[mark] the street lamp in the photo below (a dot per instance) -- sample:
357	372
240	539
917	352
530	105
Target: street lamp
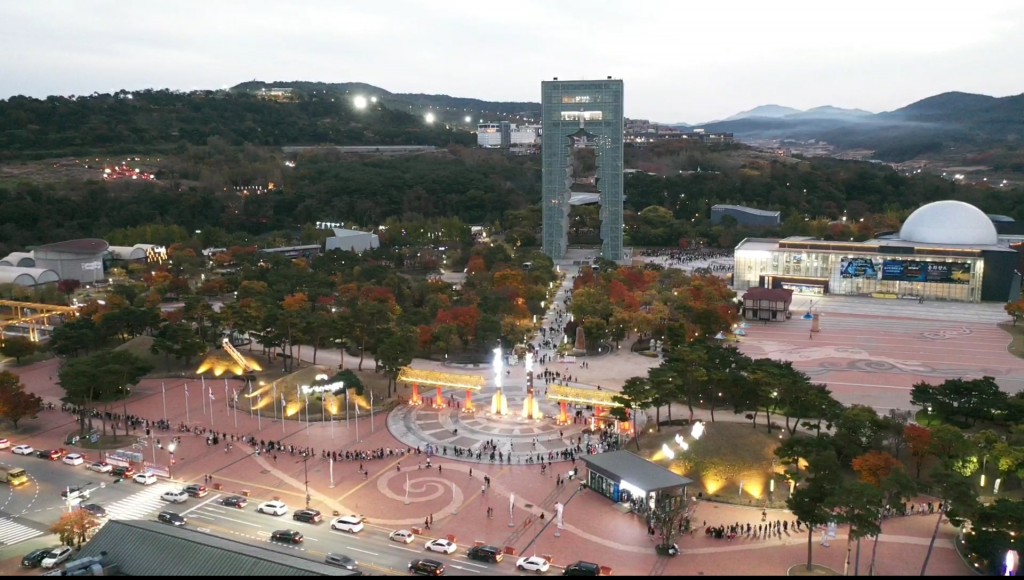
305	475
170	449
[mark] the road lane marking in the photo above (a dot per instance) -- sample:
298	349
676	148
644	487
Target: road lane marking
466	569
241	522
204	517
361	550
199	505
409	550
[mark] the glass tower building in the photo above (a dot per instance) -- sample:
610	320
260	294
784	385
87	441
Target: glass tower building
581	114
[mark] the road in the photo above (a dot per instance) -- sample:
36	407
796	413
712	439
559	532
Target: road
372	548
28	512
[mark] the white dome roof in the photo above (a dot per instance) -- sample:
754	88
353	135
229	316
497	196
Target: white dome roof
949	222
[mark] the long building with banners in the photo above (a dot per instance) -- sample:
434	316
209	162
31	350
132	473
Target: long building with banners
946	250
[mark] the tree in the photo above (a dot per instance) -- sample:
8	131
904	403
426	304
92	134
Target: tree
814	497
897	488
995	531
875	466
666	519
73	528
637	394
18	347
920	441
860	506
1015	309
857	429
959	503
15	402
103	377
178	340
396	352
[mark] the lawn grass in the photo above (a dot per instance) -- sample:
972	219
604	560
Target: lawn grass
729	453
1016	346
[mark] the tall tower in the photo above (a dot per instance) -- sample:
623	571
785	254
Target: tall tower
581	114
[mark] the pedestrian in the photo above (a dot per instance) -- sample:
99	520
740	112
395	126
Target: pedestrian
471	472
764	515
483	488
431	518
426	523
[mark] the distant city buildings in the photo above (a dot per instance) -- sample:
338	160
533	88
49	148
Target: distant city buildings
277	94
642	131
521	139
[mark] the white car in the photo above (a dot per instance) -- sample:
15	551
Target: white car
443	546
23	450
73	459
144	478
274	508
5	443
101	467
177	496
56	556
404	536
533	564
351	524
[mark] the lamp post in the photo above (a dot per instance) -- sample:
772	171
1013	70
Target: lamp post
305	475
170	449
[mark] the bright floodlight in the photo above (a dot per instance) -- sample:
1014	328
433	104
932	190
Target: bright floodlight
697	430
668	452
429	118
360	102
373	99
469	119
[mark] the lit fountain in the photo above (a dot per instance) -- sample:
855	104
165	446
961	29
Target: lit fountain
531	407
499	404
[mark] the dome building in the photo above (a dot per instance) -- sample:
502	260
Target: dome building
945	250
80	260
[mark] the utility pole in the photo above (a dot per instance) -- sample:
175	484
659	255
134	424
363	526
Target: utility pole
305	475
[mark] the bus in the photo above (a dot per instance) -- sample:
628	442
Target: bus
13	475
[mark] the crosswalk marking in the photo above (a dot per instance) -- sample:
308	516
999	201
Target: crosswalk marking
139	506
12	532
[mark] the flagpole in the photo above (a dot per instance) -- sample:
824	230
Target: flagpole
406	489
371	410
330	461
227	406
274	401
356	405
283	409
203	397
248	383
187	420
259	415
347	426
163	395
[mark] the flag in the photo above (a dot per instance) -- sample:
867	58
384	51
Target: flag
212	398
186	390
283	404
259	400
511	503
163	388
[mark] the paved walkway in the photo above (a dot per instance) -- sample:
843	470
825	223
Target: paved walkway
400	491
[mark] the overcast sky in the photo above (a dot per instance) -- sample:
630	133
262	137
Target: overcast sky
681	61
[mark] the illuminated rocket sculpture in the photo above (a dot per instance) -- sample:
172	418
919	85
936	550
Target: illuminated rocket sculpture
499	404
531	407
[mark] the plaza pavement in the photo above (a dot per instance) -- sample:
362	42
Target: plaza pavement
862	356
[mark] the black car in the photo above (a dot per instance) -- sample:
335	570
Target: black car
287	536
582	568
75	491
95	509
308	516
171	518
485	554
341	560
426	567
35	558
235	501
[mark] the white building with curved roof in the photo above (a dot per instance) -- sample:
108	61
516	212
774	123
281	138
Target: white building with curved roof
131	253
80	260
945	250
19	259
27	277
